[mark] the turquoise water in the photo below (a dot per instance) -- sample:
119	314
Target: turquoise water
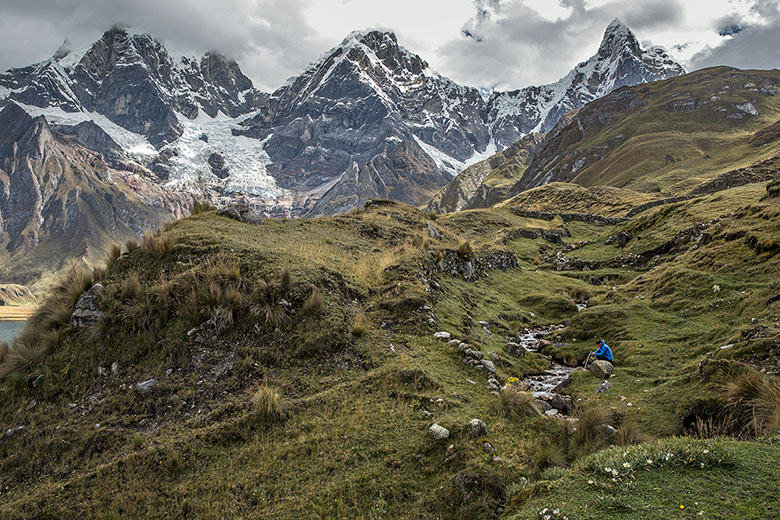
9	329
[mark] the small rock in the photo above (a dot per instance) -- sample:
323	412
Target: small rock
453	343
433	232
463	346
38	381
551	412
438	432
603	387
146	387
484	323
542	405
594	280
608	430
477	428
515	349
451	452
488	446
489	366
115	368
102	371
444	336
32	404
441	403
716	288
609	241
169	372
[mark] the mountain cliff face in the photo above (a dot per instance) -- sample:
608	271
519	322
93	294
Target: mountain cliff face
64	202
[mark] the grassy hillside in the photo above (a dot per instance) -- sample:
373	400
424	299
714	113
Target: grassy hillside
298	375
667	136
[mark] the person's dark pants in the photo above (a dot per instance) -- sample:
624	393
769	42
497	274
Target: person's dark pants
603	358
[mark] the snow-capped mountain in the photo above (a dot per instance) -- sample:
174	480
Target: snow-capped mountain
134	82
620	61
368	119
365	102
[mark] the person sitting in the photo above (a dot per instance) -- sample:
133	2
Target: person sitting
604	352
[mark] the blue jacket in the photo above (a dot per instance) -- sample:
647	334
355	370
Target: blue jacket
604	351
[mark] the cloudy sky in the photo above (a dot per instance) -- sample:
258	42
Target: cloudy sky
483	43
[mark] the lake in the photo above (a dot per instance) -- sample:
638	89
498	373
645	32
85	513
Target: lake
9	329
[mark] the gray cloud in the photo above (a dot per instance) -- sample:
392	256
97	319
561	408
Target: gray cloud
508	44
746	46
505	43
268	37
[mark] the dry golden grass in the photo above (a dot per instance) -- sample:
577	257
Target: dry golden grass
315	303
754	402
515	403
267	405
370	269
359	325
157	244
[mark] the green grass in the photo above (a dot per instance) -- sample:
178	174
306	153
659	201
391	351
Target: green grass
668	479
363	378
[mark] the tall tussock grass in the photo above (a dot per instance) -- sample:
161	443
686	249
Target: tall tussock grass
513	402
753	402
157	244
267	405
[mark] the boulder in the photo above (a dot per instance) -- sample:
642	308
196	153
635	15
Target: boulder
241	213
86	312
477	428
623	239
438	432
515	349
601	369
559	402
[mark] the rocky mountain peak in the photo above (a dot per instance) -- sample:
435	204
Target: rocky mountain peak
617	39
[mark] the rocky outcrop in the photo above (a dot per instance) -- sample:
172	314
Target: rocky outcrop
570	217
241	213
473	268
763	171
87	312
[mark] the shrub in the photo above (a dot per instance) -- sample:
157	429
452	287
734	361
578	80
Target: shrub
359	325
592	432
465	251
49	341
286	280
514	402
547	455
201	206
131	289
417	241
315	303
131	245
114	252
3	350
267	406
25	350
156	244
214	297
754	402
515	488
628	433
